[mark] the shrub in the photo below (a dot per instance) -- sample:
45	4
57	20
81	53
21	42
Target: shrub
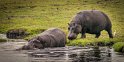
118	46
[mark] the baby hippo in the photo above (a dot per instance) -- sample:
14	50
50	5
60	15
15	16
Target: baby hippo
52	37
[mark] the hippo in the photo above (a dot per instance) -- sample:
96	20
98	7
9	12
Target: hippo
53	37
89	21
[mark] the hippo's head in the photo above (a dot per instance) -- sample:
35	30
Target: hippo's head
74	30
32	44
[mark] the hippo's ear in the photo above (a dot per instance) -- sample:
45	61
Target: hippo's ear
68	24
40	39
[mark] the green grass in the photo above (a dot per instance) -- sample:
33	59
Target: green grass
92	41
118	46
38	15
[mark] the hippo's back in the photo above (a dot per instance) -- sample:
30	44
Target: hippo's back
54	31
57	37
95	21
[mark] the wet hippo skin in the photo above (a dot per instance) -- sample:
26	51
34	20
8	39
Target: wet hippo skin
52	37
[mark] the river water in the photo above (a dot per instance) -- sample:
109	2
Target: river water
60	54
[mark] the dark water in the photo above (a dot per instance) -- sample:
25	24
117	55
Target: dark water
61	54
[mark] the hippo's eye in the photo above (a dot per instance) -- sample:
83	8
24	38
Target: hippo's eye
72	28
68	28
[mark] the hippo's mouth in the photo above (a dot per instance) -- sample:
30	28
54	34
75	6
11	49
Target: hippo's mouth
38	46
72	36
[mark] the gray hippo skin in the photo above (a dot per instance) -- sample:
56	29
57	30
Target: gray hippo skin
89	21
53	37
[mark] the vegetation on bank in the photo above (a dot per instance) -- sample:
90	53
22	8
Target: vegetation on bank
38	15
119	46
92	41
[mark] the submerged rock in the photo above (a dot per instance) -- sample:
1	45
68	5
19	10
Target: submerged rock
16	33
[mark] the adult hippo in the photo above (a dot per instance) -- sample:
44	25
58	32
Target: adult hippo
89	21
52	37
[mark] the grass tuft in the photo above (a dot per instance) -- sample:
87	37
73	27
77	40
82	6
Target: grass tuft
118	46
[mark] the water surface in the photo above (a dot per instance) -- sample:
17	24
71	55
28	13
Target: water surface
60	54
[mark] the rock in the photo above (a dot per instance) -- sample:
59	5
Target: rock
100	44
123	49
16	33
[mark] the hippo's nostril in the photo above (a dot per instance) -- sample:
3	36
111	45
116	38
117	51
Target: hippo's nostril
70	38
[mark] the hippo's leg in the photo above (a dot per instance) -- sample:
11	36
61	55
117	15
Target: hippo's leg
110	33
83	35
97	35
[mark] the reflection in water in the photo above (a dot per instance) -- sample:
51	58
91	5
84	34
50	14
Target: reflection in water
70	54
62	54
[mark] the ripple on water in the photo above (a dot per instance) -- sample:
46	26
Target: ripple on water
66	54
61	54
